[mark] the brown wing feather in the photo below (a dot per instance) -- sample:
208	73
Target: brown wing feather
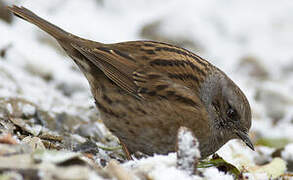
113	67
122	63
180	65
154	84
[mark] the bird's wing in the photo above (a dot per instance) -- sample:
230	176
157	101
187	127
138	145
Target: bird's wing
152	84
115	65
140	65
180	65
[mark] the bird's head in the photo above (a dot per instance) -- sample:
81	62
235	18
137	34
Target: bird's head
228	109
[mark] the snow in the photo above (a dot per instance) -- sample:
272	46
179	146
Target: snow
28	110
213	173
226	31
159	167
9	108
188	153
188	143
236	153
258	176
288	152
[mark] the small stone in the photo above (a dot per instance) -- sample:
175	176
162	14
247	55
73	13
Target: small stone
87	147
28	110
7	139
34	142
118	172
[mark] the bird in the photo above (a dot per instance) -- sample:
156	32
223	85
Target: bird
146	90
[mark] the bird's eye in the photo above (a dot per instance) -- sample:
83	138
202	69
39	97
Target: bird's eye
231	113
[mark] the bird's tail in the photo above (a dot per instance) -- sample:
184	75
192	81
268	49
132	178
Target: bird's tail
31	17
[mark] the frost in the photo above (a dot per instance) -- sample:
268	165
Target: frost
288	152
214	173
28	110
9	108
159	167
188	153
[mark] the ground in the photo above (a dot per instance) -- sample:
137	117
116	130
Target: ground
48	121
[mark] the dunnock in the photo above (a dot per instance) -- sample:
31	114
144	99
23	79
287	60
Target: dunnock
146	90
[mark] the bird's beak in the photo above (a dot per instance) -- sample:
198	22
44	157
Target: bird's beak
245	138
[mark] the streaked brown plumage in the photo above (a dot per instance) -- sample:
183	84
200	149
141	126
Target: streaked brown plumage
146	90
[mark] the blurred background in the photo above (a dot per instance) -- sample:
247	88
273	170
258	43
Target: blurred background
251	41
